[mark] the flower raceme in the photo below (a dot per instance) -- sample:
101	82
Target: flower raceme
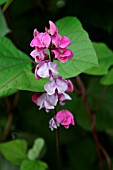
56	88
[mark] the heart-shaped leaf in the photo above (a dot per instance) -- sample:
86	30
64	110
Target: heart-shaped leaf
33	165
84	53
14	151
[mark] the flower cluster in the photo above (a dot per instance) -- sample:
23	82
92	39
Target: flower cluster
56	88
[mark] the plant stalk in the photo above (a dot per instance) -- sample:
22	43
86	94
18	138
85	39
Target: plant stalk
57	145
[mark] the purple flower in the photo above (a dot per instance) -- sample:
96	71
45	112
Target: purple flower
53	124
62	97
46	69
45	101
39	55
59	85
65	118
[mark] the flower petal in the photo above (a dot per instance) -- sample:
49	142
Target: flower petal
61	85
53	67
70	86
56	39
65	41
46	40
43	71
35	97
50	87
53	29
52	99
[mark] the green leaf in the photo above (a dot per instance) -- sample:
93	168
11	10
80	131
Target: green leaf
3	25
15	70
84	53
36	150
14	151
33	165
105	59
13	63
108	79
7	92
2	1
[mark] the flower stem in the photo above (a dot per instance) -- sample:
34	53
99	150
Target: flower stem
58	149
57	145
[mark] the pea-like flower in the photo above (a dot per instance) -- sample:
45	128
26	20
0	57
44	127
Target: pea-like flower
53	124
65	118
46	69
45	101
60	42
41	42
63	55
58	84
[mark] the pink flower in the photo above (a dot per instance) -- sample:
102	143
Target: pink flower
41	41
60	42
46	69
63	55
53	29
70	86
65	118
35	97
45	101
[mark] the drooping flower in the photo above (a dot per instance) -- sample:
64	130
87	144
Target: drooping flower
65	118
53	124
45	101
46	69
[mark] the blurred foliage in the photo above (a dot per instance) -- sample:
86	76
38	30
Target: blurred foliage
78	149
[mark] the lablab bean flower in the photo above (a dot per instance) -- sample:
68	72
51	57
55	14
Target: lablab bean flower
57	87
